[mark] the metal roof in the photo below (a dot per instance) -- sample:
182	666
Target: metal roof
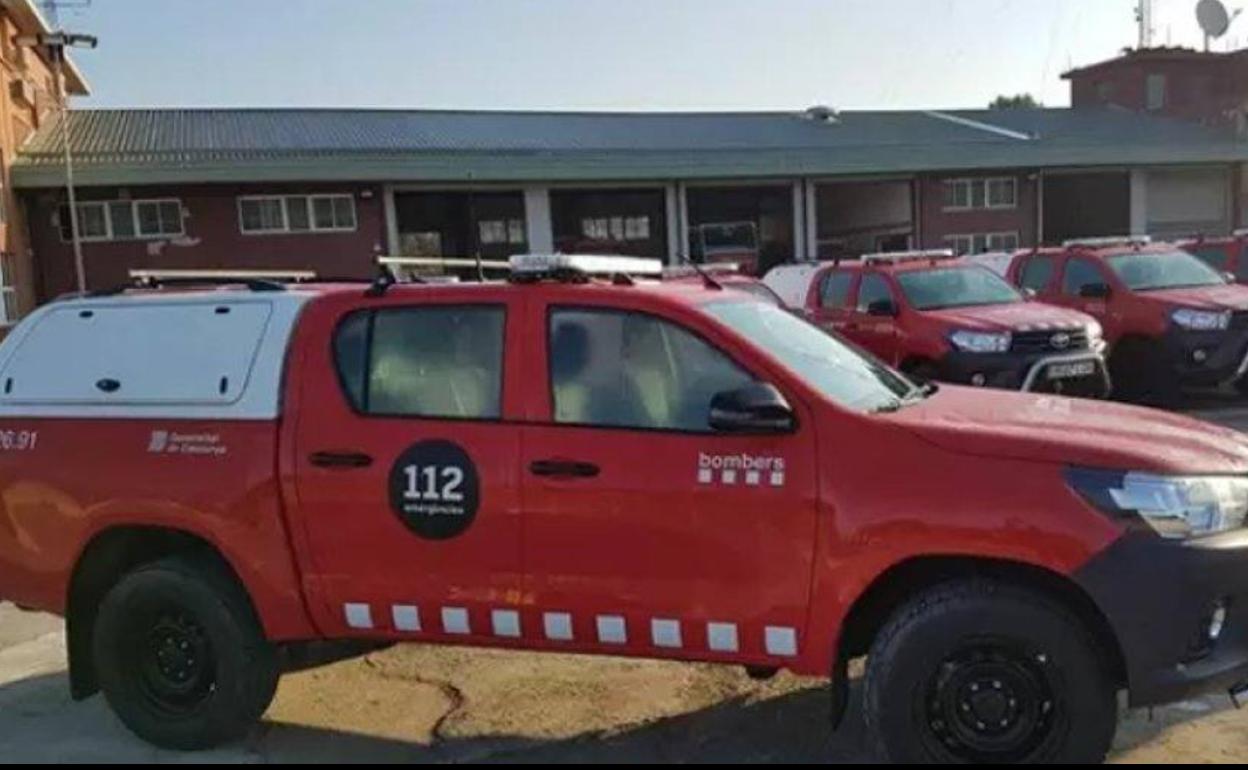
138	146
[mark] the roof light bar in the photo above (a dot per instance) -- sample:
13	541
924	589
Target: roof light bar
583	264
713	268
1108	241
896	257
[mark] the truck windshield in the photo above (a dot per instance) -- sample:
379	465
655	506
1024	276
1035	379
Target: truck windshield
1163	270
848	377
955	287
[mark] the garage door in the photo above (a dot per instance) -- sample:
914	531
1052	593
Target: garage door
1188	202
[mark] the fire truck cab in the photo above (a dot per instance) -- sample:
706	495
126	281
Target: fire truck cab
947	318
207	480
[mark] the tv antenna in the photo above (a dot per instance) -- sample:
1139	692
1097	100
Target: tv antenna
1214	20
1144	17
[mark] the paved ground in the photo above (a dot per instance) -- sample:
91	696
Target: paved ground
423	704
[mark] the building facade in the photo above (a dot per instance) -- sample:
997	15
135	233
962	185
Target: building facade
28	98
333	190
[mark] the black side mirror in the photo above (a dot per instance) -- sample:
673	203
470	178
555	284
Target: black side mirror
1094	290
755	408
882	307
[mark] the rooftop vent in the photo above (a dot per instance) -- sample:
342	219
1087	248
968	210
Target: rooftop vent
822	113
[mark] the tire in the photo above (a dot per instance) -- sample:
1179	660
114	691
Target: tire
952	661
180	654
1140	377
923	371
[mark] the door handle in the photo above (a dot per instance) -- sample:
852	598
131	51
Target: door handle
563	469
340	459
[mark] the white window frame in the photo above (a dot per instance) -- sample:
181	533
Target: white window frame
308	198
8	291
983	183
952	241
109	235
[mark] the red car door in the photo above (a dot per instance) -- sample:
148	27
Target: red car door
405	468
828	305
1085	285
877	333
645	532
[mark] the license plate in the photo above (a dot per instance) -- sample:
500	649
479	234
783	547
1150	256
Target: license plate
1067	371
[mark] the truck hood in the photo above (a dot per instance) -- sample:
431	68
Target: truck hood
1101	434
1231	296
1013	316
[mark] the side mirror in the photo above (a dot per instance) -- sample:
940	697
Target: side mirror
755	408
1229	276
882	307
1028	293
1094	290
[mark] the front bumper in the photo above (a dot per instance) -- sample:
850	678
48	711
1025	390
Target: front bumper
1206	357
1026	371
1159	596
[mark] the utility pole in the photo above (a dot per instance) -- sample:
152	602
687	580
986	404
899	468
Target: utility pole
55	44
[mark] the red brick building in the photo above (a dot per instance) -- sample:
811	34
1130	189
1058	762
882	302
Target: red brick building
331	190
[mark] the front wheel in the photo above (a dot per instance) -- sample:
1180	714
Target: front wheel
180	654
976	671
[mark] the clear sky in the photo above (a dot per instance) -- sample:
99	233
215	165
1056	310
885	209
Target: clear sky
602	54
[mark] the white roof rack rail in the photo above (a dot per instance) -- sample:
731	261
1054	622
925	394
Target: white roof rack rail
556	265
1108	241
292	276
1239	232
897	257
487	264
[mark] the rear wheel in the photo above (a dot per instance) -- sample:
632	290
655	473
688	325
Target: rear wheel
976	671
180	655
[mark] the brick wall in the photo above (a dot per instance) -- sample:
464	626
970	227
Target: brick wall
212	239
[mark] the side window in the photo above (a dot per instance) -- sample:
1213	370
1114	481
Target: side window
1080	272
1036	273
443	361
1216	257
872	289
632	370
834	290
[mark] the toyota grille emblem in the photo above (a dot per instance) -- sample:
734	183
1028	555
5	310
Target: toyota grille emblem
1060	341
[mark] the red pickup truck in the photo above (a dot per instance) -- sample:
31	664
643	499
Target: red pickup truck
1170	320
940	317
206	481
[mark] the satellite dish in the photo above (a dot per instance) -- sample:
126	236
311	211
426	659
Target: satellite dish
1212	17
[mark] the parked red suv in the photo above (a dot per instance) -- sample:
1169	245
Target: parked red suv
1170	320
208	483
941	317
1224	254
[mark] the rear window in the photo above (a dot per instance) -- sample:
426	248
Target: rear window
139	353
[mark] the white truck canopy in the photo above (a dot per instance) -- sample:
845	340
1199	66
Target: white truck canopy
187	355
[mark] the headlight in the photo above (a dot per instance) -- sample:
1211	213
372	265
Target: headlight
980	342
1173	506
1094	333
1204	320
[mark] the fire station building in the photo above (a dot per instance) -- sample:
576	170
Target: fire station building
331	190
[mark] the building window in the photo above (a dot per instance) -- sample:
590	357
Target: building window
494	231
8	291
276	214
616	228
123	220
988	193
979	243
1156	92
